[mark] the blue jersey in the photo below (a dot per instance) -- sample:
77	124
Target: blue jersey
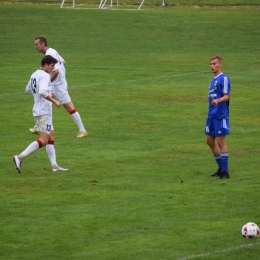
219	86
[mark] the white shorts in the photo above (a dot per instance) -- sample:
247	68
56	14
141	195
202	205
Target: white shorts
61	93
43	124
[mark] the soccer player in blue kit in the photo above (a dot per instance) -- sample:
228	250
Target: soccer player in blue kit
217	124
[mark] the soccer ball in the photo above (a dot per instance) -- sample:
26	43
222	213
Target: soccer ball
250	231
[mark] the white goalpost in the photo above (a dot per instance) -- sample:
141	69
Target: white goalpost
63	2
103	3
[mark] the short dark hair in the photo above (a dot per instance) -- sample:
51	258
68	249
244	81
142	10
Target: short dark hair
42	40
48	59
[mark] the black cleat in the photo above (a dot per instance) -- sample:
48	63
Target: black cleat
224	175
217	173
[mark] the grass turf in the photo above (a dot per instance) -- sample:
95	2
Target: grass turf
138	187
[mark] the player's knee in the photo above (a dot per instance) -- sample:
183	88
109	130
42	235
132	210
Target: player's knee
69	107
42	142
222	144
210	142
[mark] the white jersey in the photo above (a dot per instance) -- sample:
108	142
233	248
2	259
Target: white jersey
40	87
61	78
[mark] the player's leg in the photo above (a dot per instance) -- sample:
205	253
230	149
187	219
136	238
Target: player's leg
222	144
64	97
43	128
216	153
50	149
224	156
31	148
77	119
211	142
222	132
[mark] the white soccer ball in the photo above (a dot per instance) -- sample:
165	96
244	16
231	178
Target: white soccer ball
250	231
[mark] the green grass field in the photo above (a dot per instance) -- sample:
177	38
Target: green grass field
139	186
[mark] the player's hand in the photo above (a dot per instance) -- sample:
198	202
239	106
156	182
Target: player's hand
214	102
57	103
53	94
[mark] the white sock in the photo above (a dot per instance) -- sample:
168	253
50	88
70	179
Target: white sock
77	119
33	147
51	154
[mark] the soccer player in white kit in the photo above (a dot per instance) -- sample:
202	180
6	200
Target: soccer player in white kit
39	86
59	84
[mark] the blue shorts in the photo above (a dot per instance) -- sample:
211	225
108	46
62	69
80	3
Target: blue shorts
217	127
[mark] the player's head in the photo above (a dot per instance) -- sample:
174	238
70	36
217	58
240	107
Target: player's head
216	64
219	58
48	63
40	44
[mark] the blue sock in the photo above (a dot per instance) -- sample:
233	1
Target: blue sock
218	160
224	162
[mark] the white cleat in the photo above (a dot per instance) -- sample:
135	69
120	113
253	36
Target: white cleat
17	163
59	169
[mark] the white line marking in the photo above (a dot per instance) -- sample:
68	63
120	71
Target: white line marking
216	252
134	80
115	82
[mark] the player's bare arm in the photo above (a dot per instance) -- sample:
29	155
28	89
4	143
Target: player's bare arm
215	102
54	74
54	101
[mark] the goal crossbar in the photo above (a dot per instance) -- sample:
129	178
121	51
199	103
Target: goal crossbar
102	4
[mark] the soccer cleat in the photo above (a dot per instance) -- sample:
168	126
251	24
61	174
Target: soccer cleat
82	134
33	131
59	169
217	173
224	175
17	163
